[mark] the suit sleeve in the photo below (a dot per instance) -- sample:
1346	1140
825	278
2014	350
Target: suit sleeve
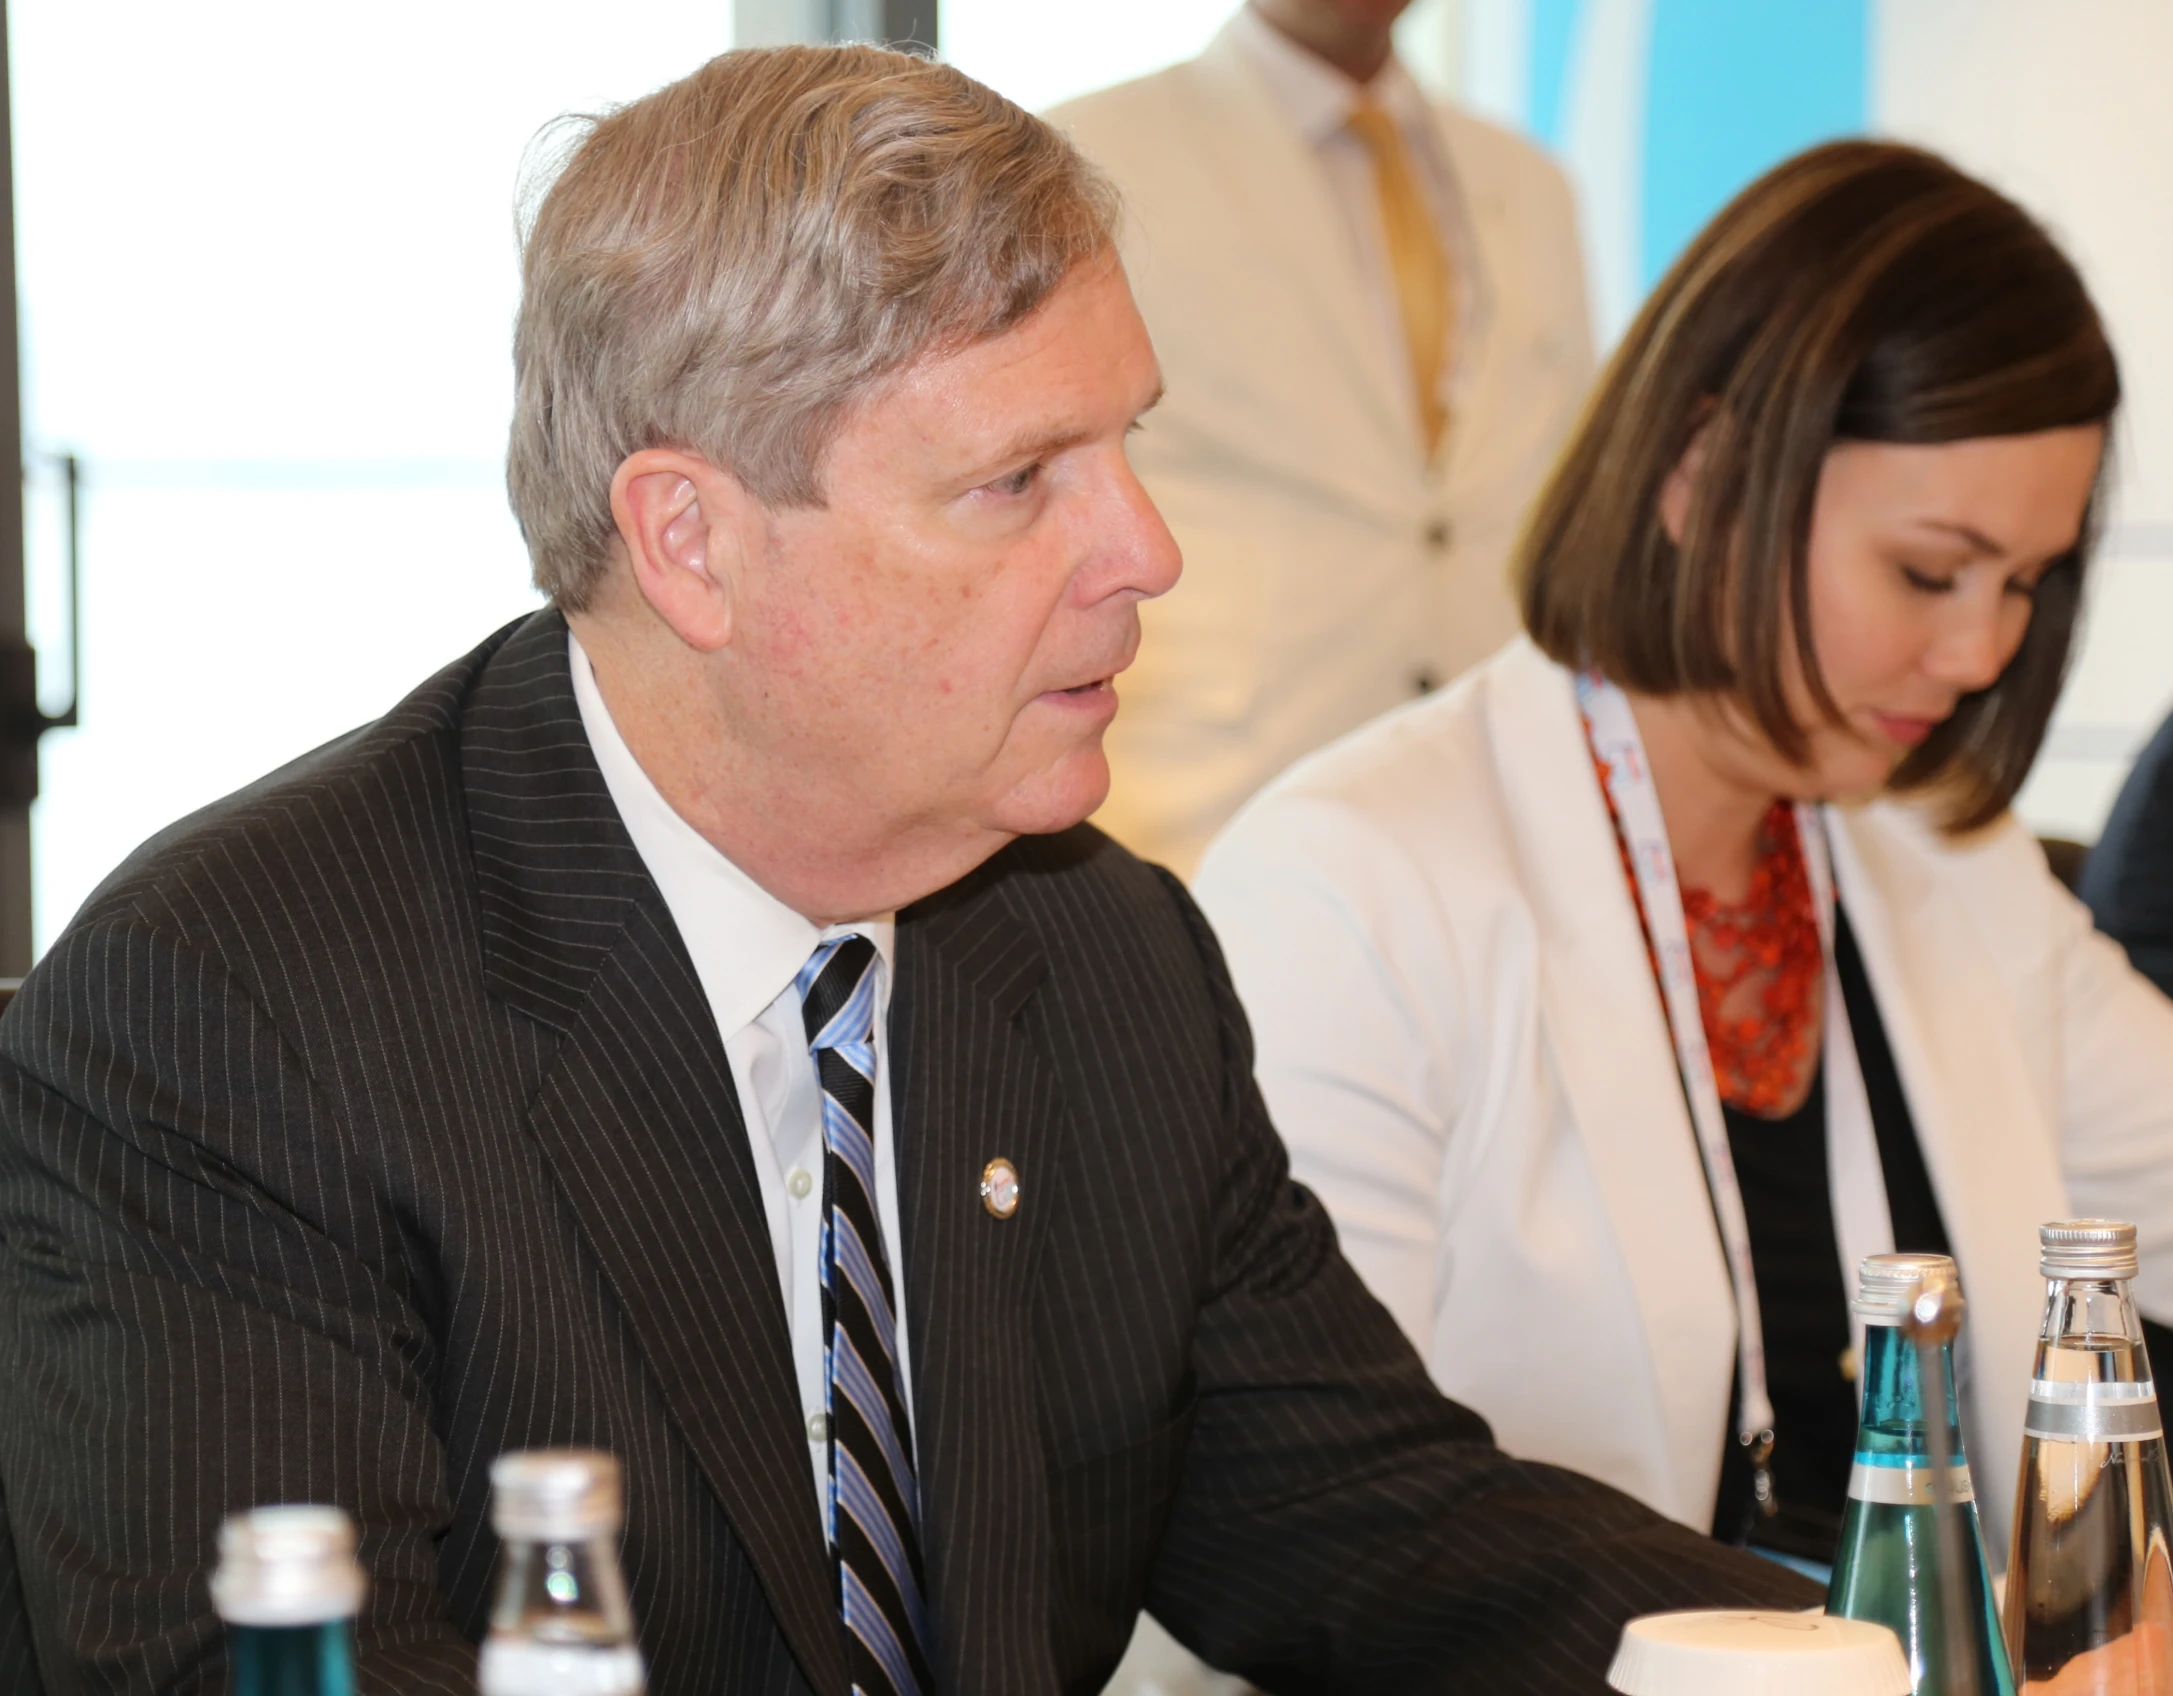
2128	878
199	1313
1340	1526
2116	1079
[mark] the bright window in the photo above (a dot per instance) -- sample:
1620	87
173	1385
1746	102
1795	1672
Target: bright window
268	280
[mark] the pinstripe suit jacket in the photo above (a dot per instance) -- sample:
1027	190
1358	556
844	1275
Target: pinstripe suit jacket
373	1122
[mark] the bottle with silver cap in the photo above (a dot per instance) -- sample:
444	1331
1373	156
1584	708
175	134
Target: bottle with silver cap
2090	1586
287	1585
561	1625
1887	1568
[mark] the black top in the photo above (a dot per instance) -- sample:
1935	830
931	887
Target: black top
1781	1168
1803	1299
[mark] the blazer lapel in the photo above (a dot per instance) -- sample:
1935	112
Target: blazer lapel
969	1087
1993	1165
638	1117
1603	1018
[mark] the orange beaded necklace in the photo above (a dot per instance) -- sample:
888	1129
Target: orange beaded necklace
1760	965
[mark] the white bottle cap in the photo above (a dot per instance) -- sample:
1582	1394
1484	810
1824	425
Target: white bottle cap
2086	1248
287	1566
1757	1654
1885	1283
554	1495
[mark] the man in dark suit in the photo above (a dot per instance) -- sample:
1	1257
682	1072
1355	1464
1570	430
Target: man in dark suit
696	1025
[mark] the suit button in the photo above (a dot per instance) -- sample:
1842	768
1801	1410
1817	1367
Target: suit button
1438	536
818	1428
1423	681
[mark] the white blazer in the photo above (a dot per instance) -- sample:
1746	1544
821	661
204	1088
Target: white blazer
1326	568
1460	1039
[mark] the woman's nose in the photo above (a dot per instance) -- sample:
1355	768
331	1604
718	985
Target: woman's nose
1975	649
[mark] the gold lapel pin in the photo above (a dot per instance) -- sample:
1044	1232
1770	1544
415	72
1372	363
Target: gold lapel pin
1000	1188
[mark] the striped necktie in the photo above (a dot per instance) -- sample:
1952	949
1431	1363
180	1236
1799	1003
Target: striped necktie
1425	285
874	1507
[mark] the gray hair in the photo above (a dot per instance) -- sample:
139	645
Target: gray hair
729	265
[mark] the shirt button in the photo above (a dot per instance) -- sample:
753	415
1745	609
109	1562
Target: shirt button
1438	535
799	1183
818	1428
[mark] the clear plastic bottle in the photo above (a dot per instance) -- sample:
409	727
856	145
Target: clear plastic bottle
2089	1587
561	1625
288	1587
1886	1569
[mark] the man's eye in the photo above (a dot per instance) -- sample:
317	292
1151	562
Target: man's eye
1019	481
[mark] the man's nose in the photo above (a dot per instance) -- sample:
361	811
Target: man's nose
1136	550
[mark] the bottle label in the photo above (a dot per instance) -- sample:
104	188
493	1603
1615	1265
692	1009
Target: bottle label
2088	1411
513	1667
1903	1481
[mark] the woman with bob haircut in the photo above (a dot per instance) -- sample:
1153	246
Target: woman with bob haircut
1618	999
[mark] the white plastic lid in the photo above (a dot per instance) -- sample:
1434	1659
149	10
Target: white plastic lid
1757	1654
287	1566
554	1495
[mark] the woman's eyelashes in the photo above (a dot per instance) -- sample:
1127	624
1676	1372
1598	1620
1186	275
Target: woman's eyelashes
1927	581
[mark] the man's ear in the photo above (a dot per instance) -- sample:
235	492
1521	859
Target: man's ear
1681	487
685	526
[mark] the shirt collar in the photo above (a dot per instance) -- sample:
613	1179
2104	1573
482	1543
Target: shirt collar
1316	97
747	945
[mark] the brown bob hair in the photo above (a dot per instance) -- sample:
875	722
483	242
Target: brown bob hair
1861	291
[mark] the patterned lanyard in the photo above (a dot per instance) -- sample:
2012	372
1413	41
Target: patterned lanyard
1620	750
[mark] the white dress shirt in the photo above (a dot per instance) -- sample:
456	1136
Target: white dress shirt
1318	100
748	947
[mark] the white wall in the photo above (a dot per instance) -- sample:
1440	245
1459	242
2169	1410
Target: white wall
2067	108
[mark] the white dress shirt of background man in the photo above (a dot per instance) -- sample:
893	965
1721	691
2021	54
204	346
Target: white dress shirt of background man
1370	311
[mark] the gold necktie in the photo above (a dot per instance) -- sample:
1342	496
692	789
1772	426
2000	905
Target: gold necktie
1424	283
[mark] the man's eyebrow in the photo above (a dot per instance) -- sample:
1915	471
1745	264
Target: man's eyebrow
1056	441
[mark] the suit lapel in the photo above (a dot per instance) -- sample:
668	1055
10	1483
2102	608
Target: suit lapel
1993	1165
1603	1019
638	1116
969	1087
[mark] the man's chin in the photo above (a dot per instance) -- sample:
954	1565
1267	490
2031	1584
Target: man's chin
1058	798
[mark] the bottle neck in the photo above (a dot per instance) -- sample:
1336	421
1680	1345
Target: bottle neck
1895	1411
2089	1313
292	1660
568	1592
561	1624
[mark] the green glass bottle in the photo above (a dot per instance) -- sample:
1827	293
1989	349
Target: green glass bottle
288	1588
1886	1569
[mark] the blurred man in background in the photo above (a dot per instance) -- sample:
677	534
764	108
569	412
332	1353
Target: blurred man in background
2128	878
1371	313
